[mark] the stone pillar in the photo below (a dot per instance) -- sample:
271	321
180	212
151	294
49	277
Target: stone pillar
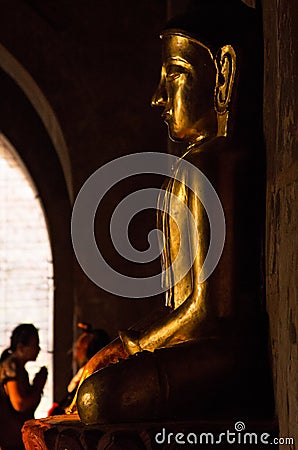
280	18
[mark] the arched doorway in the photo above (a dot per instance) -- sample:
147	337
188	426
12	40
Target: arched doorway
24	130
26	268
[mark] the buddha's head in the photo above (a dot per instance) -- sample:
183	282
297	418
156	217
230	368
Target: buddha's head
199	70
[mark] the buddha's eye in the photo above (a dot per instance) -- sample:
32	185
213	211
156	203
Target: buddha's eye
172	76
174	71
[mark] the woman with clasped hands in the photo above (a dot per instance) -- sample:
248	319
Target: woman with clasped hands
18	398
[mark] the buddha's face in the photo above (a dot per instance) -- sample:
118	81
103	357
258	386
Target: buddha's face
187	89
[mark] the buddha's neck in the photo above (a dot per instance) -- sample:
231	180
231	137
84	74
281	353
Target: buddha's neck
202	138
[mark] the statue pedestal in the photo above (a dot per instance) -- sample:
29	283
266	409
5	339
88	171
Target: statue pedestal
67	432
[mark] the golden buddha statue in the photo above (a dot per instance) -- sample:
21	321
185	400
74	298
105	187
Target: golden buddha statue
194	360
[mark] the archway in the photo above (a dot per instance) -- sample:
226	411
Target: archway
24	129
26	275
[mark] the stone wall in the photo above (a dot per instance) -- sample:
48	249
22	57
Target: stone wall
280	126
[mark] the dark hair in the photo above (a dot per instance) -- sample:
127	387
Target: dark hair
100	339
20	335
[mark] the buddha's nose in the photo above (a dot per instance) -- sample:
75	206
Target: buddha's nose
160	96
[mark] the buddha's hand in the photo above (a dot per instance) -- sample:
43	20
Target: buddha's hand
110	354
130	341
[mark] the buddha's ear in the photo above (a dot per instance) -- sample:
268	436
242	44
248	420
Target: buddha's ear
226	67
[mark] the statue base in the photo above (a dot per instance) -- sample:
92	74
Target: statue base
68	432
214	377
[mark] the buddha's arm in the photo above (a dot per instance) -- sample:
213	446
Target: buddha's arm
179	326
184	322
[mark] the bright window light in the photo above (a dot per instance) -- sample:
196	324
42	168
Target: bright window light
26	269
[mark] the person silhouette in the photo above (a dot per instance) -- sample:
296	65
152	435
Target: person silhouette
18	398
87	344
